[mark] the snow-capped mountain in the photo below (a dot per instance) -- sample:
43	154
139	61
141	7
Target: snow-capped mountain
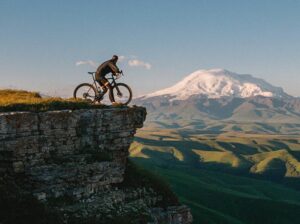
217	83
221	95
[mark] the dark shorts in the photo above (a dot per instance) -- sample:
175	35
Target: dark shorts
102	80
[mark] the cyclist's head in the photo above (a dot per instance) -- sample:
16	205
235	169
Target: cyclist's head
115	58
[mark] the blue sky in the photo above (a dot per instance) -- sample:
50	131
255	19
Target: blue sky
41	41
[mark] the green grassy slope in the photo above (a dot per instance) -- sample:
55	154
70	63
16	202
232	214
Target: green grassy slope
272	155
215	197
230	177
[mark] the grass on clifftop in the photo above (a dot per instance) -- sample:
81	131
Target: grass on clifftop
20	100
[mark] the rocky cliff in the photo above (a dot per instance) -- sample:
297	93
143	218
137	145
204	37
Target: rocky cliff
75	164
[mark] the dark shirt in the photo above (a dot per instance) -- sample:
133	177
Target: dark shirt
105	68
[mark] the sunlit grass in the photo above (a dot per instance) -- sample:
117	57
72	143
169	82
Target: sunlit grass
219	157
20	100
9	96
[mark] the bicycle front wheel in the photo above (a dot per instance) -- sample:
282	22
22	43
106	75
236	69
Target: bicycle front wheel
85	91
122	93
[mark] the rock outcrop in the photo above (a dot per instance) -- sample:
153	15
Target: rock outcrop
75	161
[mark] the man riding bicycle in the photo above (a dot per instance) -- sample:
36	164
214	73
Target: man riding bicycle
119	93
105	68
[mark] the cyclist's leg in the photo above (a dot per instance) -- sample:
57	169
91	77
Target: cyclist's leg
107	86
98	79
104	88
111	95
101	81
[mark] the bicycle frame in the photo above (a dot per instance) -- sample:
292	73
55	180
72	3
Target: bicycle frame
115	88
112	82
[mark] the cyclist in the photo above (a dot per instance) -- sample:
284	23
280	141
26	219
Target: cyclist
105	68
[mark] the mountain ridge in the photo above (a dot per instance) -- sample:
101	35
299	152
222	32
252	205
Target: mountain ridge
193	105
217	83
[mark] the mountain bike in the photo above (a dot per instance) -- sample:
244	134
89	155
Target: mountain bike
94	92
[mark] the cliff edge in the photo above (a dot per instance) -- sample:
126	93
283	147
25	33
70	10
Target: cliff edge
74	162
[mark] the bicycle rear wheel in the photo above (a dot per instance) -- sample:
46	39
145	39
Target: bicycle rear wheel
85	91
122	93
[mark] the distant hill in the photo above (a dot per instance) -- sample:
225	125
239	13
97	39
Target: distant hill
259	109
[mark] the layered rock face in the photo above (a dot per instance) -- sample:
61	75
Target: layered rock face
76	159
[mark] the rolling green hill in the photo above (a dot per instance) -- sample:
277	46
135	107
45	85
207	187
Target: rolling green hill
215	197
226	177
273	155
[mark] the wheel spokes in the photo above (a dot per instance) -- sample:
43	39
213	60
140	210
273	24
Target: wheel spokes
122	95
86	93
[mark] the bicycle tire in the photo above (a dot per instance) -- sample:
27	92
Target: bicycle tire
126	87
75	93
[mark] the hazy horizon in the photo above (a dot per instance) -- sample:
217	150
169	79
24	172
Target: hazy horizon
50	46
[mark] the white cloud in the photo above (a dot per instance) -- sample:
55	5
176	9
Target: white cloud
121	58
89	62
132	61
139	63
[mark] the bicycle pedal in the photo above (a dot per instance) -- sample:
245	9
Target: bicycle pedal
99	98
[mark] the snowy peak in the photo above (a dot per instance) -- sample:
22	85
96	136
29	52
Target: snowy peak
217	83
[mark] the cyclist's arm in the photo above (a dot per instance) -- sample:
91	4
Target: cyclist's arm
114	68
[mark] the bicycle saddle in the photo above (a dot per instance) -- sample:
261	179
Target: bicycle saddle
91	73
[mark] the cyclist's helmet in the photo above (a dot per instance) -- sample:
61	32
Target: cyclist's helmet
115	58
